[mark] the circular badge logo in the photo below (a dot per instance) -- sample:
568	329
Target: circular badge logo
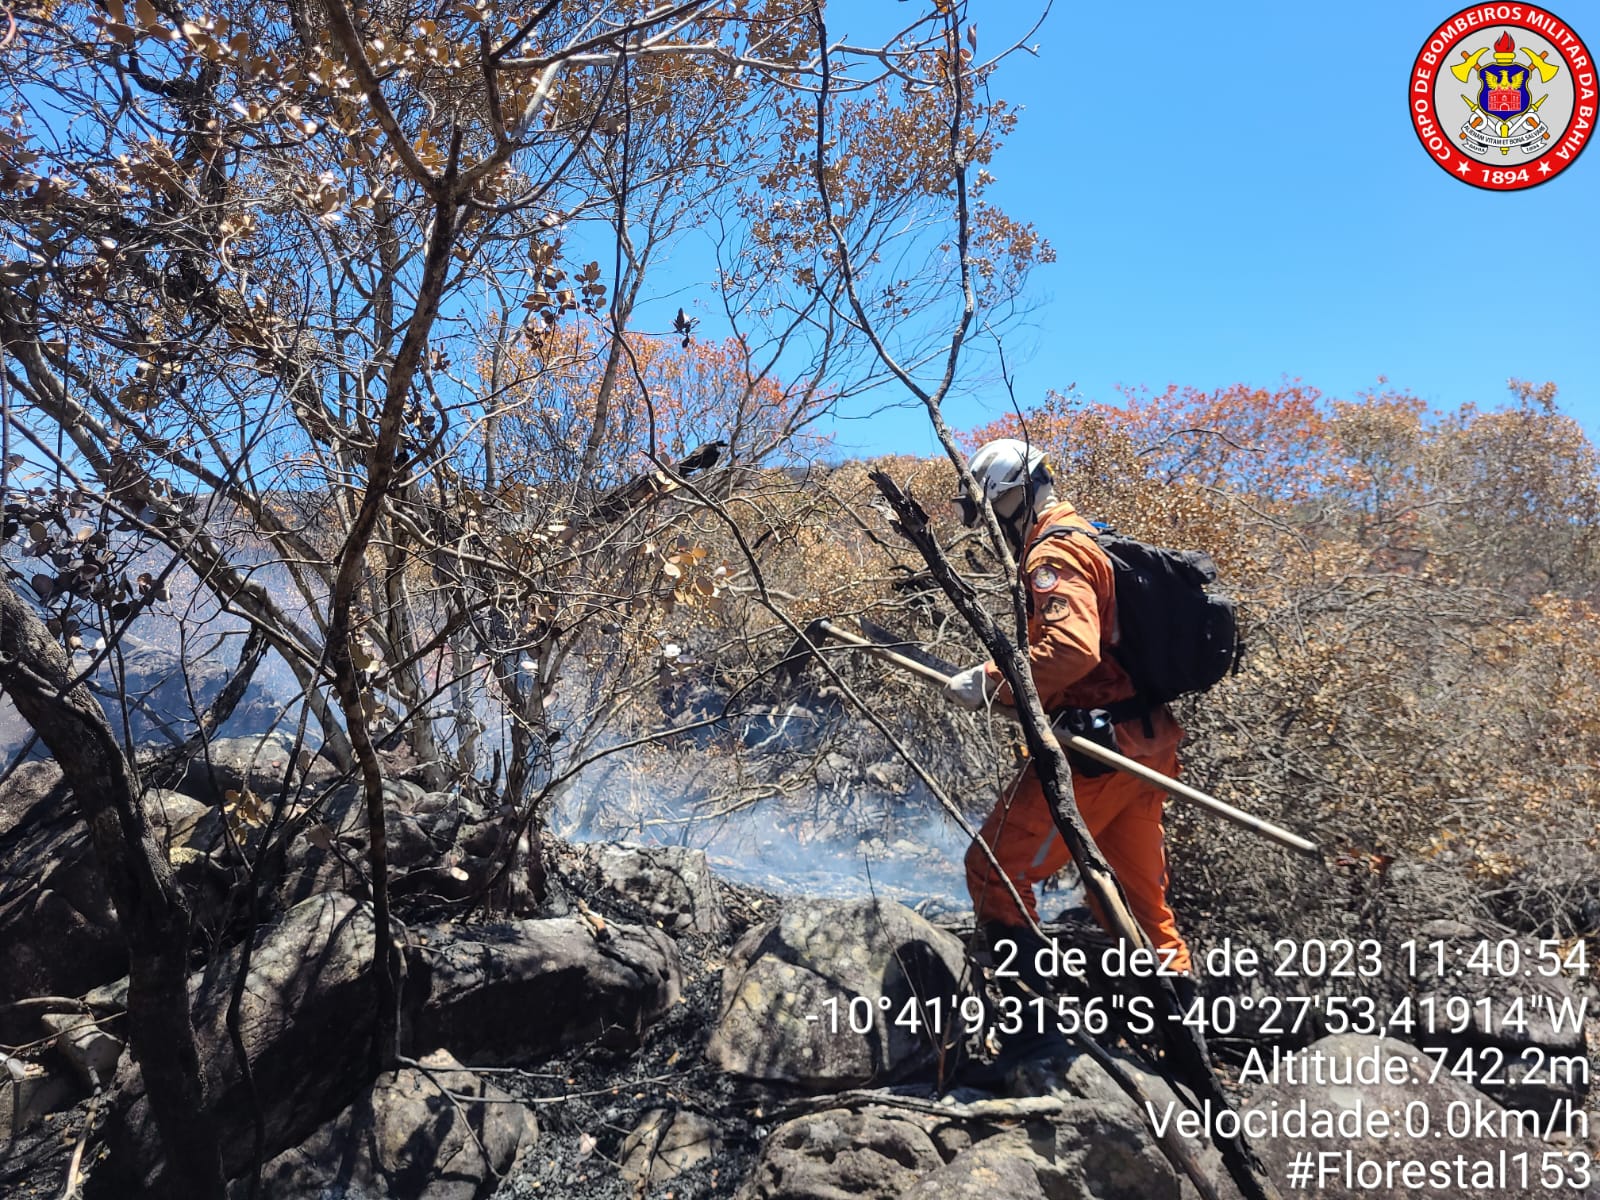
1503	96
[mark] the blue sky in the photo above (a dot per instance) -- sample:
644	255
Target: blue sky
1237	194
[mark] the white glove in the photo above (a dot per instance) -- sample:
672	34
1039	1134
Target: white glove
972	688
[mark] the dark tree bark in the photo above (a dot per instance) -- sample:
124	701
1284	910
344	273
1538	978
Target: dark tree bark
34	672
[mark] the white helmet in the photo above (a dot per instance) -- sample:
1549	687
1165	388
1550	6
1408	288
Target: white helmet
1012	475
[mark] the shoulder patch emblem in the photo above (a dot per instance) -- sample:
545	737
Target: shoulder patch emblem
1056	608
1044	578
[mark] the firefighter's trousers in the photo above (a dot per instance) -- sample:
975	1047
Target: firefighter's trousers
1123	815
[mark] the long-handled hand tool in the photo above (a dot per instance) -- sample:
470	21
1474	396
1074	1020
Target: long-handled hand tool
910	657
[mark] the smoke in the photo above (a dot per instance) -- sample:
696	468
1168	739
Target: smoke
857	830
885	844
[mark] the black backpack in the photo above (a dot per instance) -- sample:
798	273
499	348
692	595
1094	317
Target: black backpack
1175	637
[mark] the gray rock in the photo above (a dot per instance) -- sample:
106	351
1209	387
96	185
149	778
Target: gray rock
259	763
438	802
182	822
839	1155
1106	1152
109	998
165	692
445	814
1087	1080
776	1022
59	934
306	1023
83	1042
1524	1047
58	930
413	844
415	838
1412	1094
673	884
1095	1147
1058	1148
30	784
664	1144
404	1139
514	991
524	989
418	843
194	837
29	1091
1000	1166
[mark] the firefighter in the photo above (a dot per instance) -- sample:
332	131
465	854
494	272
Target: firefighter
1071	621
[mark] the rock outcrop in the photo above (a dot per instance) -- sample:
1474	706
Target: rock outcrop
1431	1120
665	1143
514	992
1055	1147
58	930
260	763
875	1155
306	1019
671	885
430	1132
793	987
501	994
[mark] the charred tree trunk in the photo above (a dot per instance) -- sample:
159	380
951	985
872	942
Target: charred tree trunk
154	918
1099	881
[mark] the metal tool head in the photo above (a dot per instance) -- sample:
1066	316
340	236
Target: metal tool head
803	647
904	646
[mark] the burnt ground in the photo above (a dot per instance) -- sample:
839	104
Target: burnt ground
39	1160
586	1100
589	1099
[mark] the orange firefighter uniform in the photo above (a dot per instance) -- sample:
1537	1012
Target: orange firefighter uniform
1073	608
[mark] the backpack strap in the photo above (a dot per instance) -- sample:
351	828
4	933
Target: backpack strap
1135	707
1022	562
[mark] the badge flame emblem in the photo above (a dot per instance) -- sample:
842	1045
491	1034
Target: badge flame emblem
1504	116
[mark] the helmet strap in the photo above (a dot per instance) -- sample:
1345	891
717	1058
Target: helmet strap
1036	495
1014	528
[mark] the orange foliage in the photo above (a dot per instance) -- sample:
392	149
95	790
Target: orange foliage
659	396
1421	595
